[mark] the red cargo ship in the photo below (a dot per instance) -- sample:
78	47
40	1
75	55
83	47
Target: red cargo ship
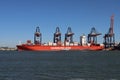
57	48
57	45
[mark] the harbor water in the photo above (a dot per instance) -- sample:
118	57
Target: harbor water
60	65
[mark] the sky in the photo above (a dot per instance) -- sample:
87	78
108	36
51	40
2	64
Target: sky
19	19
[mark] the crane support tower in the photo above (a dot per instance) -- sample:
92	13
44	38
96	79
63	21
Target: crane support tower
109	38
92	36
37	36
57	36
69	35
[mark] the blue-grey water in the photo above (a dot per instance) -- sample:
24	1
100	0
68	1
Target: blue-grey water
61	65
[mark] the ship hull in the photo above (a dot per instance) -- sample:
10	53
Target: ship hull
56	48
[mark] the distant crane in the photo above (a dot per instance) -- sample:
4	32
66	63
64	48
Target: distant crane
57	36
92	36
37	37
109	38
69	35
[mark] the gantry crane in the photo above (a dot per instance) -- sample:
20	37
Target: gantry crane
109	38
37	36
57	36
69	35
92	36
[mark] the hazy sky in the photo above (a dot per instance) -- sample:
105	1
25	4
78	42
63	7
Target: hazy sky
19	18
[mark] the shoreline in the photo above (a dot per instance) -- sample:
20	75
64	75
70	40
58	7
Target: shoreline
7	49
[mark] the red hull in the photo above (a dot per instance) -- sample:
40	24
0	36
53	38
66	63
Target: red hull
57	48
